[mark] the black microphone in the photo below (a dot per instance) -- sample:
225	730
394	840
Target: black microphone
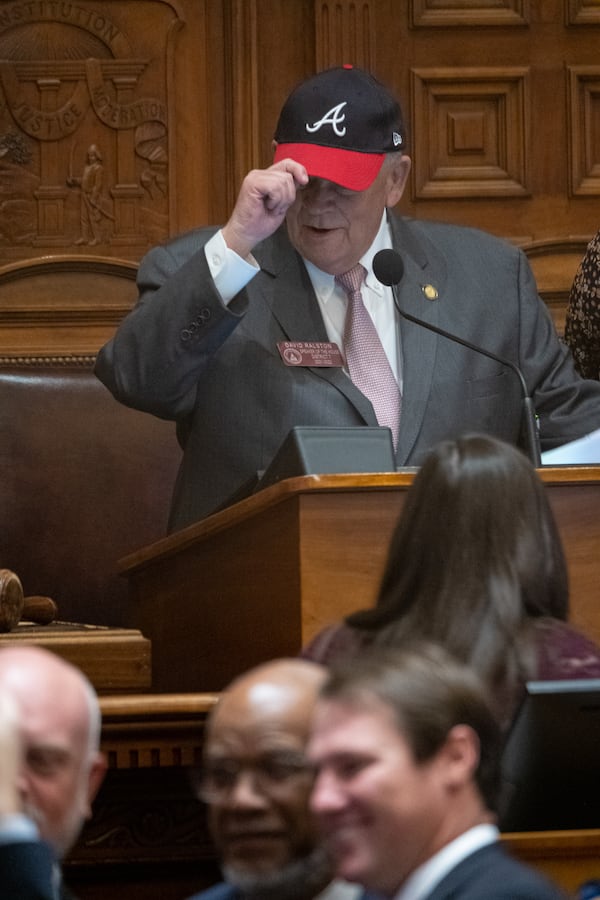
389	270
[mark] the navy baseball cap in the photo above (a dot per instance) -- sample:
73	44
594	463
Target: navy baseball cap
340	124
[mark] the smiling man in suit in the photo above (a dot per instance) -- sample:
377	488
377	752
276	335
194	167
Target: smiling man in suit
244	332
406	751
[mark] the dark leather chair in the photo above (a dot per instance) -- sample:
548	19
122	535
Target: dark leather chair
83	482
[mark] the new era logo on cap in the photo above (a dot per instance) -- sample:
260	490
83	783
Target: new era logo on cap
340	124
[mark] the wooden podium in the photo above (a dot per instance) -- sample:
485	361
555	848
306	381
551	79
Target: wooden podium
257	580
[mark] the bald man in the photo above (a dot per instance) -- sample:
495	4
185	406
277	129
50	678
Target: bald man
256	782
59	725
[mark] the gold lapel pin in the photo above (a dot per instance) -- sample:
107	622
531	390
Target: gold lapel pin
430	291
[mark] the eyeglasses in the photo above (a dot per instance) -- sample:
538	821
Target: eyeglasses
270	773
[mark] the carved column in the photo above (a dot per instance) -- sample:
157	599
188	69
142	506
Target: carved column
126	193
50	195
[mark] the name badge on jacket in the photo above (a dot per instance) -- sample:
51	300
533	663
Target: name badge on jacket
310	353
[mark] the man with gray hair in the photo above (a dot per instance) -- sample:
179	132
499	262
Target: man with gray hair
61	768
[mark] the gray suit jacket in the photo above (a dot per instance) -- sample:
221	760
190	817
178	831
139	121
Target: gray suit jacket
181	354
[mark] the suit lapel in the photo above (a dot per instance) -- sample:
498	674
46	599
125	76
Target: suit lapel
419	346
286	289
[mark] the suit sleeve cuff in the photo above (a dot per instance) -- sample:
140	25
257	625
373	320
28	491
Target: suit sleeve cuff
229	271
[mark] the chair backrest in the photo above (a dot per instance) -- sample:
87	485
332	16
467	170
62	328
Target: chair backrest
83	482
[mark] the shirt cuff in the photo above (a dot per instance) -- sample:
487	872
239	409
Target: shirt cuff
17	827
229	271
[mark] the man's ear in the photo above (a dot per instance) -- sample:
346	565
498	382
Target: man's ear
96	775
397	176
273	146
460	755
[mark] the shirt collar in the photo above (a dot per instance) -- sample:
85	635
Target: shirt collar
324	283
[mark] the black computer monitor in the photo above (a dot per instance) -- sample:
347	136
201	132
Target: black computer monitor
551	761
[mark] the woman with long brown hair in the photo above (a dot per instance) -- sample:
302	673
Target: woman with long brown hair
476	564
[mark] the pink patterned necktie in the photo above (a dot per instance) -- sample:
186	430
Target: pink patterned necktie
366	360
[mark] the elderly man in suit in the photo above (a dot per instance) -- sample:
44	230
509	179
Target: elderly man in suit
26	864
52	767
277	319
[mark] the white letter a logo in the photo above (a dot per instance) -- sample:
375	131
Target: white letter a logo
333	117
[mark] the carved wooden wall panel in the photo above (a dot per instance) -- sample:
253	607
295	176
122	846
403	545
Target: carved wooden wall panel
470	132
105	150
441	13
62	305
87	109
125	121
584	109
583	12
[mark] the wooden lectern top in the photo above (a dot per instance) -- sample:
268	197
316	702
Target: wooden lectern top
284	490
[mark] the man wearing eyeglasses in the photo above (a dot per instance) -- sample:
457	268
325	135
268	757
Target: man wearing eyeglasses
256	781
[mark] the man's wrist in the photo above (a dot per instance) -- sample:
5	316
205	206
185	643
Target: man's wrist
229	271
235	243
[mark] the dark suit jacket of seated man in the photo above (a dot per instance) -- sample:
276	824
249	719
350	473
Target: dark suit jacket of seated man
203	345
27	871
51	767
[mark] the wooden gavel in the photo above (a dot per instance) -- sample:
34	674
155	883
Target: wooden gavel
14	606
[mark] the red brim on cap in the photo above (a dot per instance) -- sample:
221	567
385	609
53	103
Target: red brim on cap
348	168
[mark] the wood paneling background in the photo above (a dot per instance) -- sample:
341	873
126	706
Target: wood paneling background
125	121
